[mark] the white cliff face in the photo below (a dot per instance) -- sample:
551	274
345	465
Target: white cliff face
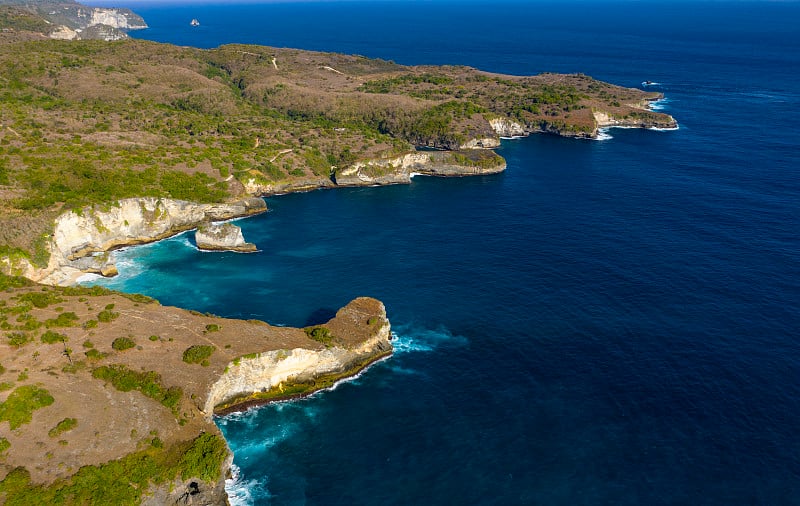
384	170
79	235
505	127
271	369
604	120
113	17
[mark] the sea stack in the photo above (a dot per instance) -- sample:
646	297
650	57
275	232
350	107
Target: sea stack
222	237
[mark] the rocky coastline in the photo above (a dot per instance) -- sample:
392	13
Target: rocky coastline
196	366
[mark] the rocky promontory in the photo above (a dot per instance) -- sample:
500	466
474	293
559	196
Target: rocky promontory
126	388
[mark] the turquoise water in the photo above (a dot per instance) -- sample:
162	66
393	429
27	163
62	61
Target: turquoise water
607	322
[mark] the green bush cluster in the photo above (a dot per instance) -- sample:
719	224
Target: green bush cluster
320	334
122	481
51	337
65	425
20	404
146	382
197	354
107	315
123	343
41	299
68	319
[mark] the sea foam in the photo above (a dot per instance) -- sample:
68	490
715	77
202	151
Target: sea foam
244	492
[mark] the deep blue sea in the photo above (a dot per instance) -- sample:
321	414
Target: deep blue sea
611	322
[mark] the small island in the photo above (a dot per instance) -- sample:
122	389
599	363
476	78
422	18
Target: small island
108	144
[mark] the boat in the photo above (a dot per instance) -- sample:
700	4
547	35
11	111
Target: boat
195	22
650	83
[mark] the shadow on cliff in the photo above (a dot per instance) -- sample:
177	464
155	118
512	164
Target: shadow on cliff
320	316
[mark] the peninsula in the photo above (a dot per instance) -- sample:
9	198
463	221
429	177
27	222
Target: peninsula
108	397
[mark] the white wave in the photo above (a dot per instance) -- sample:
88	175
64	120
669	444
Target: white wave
512	138
671	129
415	174
603	135
407	338
658	105
87	278
243	492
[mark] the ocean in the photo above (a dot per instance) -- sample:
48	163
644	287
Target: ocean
607	322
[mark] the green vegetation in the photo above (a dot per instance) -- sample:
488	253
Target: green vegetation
123	343
320	334
106	316
18	339
146	382
68	319
51	337
4	445
22	402
65	425
41	299
198	354
94	354
212	327
122	481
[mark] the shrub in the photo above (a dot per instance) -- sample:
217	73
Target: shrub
41	299
4	445
320	334
197	354
146	382
51	337
63	320
123	343
17	339
107	315
212	327
94	354
65	425
22	402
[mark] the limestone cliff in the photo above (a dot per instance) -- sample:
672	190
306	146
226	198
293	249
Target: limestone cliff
78	237
361	333
431	163
73	21
222	237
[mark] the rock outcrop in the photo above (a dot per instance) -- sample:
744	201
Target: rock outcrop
430	163
222	237
505	127
360	334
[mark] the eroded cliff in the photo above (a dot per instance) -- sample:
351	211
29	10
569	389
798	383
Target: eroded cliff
126	389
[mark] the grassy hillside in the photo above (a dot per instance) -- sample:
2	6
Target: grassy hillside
88	122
